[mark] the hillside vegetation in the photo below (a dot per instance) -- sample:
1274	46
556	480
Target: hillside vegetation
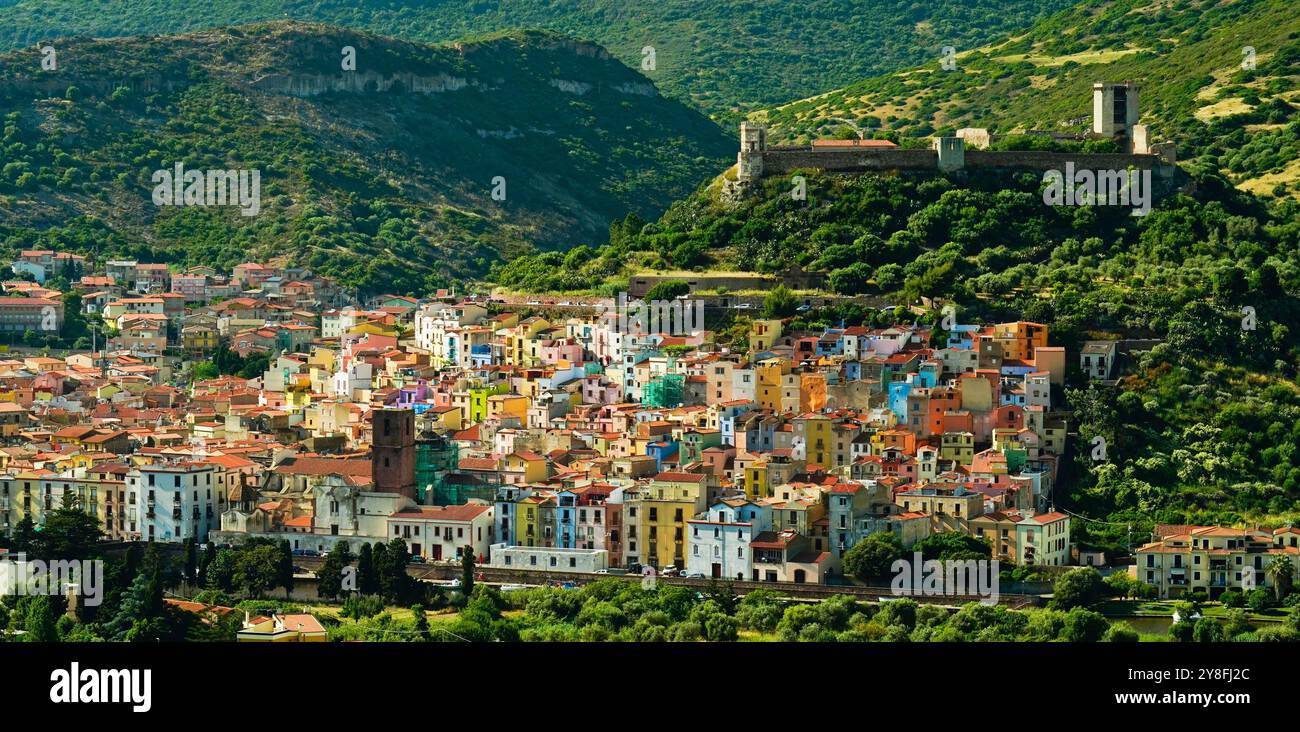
382	176
720	56
1187	56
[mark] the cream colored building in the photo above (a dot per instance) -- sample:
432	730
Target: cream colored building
1214	559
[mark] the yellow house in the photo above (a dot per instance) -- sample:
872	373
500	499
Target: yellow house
756	485
762	334
199	337
522	343
528	519
1019	339
768	374
445	418
522	466
959	446
322	358
818	438
508	405
24	496
662	510
373	328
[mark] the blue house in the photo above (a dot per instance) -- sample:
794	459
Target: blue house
660	451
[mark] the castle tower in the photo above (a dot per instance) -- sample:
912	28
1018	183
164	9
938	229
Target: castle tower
753	142
952	153
392	451
1114	108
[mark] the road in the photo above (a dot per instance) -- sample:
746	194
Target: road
791	590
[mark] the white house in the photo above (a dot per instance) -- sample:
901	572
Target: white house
441	532
174	501
720	544
548	558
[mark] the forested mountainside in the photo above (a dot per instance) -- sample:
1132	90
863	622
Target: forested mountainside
382	176
723	56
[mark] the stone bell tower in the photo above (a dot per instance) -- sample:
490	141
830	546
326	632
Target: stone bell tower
1114	108
392	451
753	142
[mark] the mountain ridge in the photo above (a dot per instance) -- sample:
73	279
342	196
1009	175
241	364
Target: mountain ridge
577	138
722	57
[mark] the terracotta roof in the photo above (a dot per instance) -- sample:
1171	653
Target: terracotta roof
465	512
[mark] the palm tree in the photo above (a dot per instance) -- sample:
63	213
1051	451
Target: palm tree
1280	571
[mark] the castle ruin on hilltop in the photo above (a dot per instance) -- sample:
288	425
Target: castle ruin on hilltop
1114	113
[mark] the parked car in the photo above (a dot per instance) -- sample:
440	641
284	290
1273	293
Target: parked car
670	571
417	559
694	575
611	570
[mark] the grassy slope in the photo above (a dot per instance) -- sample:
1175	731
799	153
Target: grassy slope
1186	55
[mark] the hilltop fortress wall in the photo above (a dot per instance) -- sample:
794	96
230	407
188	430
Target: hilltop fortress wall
1115	118
783	160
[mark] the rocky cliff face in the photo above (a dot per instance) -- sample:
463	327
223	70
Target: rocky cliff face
358	82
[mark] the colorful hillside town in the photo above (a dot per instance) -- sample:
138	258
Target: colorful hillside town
562	438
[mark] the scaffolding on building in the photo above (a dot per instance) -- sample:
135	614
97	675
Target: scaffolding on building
664	391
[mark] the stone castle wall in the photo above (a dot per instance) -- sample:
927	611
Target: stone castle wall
778	161
1041	160
784	160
